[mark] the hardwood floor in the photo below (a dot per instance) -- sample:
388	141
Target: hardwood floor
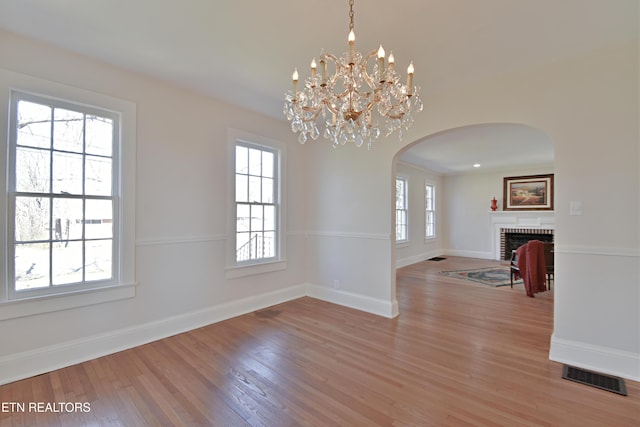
460	354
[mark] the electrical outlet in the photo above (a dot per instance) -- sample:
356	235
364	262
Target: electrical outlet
336	284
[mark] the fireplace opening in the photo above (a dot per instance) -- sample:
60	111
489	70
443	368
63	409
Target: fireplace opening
511	239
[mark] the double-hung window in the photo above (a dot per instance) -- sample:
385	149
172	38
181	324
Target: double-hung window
256	203
430	211
402	210
63	216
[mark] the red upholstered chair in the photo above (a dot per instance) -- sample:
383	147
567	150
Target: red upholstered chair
548	259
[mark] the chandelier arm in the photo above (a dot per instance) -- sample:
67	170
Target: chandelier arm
331	108
394	107
336	62
363	68
315	113
395	116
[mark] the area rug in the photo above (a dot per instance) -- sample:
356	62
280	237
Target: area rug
492	276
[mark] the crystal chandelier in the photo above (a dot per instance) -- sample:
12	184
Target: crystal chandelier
346	101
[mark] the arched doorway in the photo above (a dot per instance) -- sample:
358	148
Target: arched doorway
465	168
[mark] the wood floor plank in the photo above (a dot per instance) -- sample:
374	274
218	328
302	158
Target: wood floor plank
459	354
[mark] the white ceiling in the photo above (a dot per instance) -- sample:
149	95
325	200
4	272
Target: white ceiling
244	52
492	146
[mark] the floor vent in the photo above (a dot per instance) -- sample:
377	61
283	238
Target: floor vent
594	379
436	258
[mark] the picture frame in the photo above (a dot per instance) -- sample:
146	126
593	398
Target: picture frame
532	192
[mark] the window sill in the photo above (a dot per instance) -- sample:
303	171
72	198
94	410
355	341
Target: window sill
238	271
403	243
49	303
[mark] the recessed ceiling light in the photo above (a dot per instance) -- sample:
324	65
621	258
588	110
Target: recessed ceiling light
477	165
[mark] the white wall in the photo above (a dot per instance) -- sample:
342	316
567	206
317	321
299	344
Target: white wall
467	214
348	252
181	218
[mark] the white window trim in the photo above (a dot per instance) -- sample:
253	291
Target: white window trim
435	219
125	278
233	269
406	198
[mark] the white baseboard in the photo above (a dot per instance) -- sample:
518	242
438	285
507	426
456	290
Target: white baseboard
45	359
359	302
605	360
468	254
416	258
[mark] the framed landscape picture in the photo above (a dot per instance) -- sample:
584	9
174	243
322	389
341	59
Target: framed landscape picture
533	192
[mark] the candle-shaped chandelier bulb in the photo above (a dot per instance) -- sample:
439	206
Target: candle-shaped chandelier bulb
381	63
410	79
295	82
352	46
349	102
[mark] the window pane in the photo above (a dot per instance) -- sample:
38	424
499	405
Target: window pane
243	248
400	192
32	219
254	189
269	247
32	170
267	164
98	219
98	264
68	130
32	266
67	173
98	176
34	125
67	219
255	162
242	218
429	197
257	218
269	218
401	221
242	156
99	136
267	190
67	263
242	183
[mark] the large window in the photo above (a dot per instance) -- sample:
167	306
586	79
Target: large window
256	203
430	212
402	210
63	222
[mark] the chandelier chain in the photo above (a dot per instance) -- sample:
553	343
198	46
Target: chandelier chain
350	15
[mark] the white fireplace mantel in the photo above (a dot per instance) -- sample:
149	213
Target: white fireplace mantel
542	220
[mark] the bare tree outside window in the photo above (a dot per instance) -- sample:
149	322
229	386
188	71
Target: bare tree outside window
63	199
